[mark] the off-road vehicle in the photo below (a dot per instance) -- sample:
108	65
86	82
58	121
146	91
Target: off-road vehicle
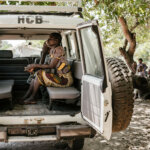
101	98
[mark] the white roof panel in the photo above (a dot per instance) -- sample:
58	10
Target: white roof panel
59	6
38	9
39	21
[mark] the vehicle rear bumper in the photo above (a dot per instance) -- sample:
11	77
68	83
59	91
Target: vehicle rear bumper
31	139
59	132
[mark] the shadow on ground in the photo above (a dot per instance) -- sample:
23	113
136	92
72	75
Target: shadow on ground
34	146
135	137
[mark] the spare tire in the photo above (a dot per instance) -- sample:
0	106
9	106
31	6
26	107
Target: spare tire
122	93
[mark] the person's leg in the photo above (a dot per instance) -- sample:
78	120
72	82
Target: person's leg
29	91
36	86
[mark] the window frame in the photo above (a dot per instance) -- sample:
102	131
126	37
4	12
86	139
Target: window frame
99	56
97	32
77	55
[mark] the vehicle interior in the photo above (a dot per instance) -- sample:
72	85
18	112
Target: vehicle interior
13	78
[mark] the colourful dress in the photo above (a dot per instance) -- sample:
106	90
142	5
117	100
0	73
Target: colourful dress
62	76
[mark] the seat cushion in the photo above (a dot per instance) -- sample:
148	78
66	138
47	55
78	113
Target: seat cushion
6	88
63	93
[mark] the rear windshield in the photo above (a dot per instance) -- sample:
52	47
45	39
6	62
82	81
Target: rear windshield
23	48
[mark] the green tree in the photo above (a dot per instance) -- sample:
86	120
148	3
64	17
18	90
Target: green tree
132	15
36	43
4	45
143	51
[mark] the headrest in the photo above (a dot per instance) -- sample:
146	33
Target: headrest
6	54
37	60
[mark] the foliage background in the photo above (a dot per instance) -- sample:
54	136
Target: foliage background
108	12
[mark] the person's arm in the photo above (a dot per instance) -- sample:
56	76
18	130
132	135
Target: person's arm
146	67
45	50
52	65
57	54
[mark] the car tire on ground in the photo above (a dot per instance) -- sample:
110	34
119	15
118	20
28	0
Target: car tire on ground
122	93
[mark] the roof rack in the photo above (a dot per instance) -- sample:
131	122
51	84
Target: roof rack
48	6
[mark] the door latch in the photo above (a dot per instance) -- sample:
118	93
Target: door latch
106	115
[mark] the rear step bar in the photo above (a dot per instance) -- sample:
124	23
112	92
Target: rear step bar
32	139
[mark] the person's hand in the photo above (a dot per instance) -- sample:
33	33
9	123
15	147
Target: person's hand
30	68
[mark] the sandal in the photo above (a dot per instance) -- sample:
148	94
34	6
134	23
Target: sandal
29	102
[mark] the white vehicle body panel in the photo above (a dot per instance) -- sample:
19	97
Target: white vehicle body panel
70	6
39	8
39	21
49	119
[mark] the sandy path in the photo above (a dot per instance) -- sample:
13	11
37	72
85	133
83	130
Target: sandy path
135	137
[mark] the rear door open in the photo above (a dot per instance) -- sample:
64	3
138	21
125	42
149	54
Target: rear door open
96	90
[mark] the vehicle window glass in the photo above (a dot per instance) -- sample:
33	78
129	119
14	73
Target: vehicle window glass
71	45
91	51
23	48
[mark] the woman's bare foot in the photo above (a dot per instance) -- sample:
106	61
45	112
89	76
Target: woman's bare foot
29	100
22	99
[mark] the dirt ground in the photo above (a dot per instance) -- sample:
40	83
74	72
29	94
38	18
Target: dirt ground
135	137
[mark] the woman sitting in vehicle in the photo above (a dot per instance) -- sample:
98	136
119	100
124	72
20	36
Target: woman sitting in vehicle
55	73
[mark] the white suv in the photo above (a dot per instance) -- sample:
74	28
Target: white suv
101	98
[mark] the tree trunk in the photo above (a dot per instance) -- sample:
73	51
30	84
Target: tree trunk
131	39
96	2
